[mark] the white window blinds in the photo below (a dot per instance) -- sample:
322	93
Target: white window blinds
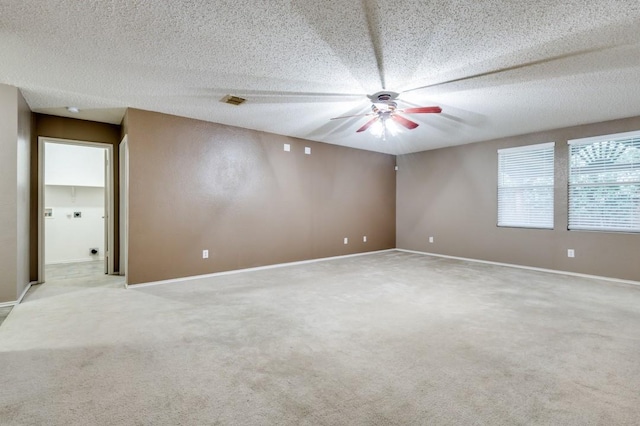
604	183
525	186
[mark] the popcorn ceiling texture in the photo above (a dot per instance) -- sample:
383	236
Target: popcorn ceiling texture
298	62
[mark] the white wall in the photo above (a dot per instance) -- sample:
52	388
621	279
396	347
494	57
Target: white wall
69	239
73	165
74	182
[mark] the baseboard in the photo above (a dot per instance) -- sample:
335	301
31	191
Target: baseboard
24	292
531	268
17	302
257	268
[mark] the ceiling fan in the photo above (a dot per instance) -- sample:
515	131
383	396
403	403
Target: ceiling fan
384	110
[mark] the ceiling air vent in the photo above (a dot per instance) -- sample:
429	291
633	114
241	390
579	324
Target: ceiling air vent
233	100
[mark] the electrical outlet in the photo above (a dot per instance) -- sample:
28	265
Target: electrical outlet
307	150
430	239
287	147
205	254
346	240
364	239
571	253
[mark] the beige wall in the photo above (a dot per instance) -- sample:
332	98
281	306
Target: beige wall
72	129
15	129
9	193
25	119
196	185
451	194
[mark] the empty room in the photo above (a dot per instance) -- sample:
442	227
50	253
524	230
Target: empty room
319	213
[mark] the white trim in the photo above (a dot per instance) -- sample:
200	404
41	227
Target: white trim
257	268
531	268
123	171
604	138
24	293
17	302
527	147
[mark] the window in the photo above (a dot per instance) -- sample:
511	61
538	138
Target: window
525	186
604	183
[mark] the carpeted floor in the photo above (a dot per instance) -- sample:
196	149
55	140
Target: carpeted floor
384	339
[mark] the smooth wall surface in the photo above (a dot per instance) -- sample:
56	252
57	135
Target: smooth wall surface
8	193
451	194
15	135
68	238
79	130
74	165
235	192
25	127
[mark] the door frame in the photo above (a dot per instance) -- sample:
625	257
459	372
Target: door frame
109	189
123	157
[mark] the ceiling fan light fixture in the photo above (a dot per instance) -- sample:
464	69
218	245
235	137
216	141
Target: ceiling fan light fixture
391	127
378	129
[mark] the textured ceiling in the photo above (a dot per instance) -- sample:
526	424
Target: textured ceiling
497	68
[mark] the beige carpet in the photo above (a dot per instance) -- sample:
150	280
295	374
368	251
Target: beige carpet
383	339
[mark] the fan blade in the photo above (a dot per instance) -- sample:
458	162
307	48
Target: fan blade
367	125
350	116
406	123
422	110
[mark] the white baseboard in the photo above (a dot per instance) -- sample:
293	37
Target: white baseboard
24	292
531	268
17	302
258	268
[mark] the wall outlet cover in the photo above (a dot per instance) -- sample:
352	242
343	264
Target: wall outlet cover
430	239
346	240
307	150
571	253
287	147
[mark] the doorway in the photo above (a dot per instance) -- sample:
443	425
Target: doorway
75	199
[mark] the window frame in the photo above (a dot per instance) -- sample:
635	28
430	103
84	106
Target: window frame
590	141
500	222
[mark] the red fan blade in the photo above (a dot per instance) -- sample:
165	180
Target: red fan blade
367	125
422	110
406	123
349	116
